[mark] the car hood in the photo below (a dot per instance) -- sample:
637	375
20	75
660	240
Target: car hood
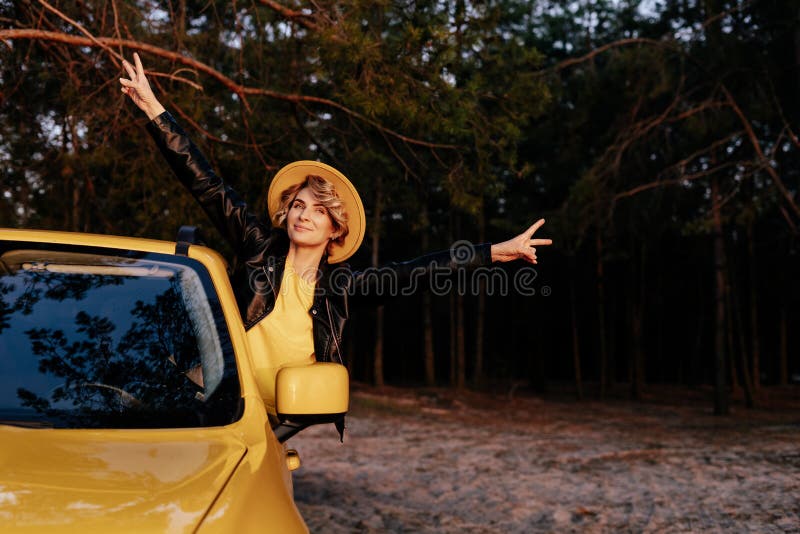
103	481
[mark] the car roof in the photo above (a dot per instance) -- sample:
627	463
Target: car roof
86	239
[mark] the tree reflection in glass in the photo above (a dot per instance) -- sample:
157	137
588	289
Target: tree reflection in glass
112	350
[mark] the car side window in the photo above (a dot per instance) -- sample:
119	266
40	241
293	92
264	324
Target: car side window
94	340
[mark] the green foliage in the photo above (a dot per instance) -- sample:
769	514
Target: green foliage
459	107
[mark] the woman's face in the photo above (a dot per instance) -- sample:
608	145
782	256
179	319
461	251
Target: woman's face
308	222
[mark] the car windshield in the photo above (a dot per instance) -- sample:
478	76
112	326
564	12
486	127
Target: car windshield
93	339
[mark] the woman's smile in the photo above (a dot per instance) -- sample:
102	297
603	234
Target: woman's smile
308	222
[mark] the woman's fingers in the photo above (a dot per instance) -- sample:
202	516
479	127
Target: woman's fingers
521	247
129	69
136	74
530	249
535	226
138	88
129	88
139	67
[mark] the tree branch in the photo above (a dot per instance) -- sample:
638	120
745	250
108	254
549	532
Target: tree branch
643	40
776	179
185	117
608	46
240	90
675	181
84	31
680	166
306	21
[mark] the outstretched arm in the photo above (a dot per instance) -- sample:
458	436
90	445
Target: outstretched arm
223	205
138	89
522	247
402	278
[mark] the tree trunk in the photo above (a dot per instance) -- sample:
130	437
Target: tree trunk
637	375
76	206
637	331
461	360
377	355
658	321
454	323
695	374
458	371
178	14
576	355
731	344
429	356
601	315
713	36
735	318
453	351
720	388
68	175
755	347
783	349
377	361
613	314
427	335
75	180
478	378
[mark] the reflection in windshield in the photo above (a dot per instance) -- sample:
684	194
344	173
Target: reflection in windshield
90	341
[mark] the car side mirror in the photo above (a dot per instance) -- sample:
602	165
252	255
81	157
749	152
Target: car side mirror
312	394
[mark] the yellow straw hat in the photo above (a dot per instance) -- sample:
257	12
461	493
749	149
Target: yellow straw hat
296	172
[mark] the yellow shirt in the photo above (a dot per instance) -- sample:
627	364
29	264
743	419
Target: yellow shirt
285	336
287	330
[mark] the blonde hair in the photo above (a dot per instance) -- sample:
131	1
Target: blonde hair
325	193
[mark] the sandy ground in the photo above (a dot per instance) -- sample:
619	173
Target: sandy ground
436	462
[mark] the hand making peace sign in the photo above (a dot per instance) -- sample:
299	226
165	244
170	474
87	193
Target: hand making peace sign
138	88
522	247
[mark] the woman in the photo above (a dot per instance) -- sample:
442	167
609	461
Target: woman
292	298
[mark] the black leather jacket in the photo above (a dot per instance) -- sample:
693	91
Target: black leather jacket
262	250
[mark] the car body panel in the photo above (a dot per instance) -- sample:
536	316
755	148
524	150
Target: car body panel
155	480
232	478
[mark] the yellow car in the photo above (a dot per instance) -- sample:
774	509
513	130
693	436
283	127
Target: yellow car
132	398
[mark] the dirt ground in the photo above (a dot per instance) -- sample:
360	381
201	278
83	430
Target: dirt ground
433	461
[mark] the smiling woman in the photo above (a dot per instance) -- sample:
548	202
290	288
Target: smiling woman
318	221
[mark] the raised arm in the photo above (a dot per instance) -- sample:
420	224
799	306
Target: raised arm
223	205
432	270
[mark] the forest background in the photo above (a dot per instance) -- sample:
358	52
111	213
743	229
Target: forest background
658	139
